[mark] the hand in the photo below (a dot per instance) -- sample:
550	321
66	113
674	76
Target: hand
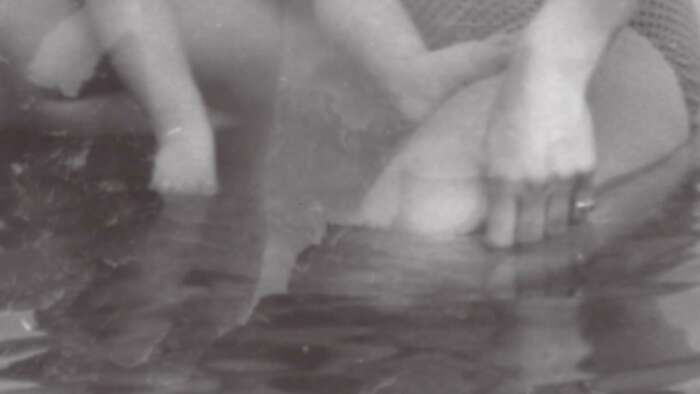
185	163
540	154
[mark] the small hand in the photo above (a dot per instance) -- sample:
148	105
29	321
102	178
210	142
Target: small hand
540	154
185	163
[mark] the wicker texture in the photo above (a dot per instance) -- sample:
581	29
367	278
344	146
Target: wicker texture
669	24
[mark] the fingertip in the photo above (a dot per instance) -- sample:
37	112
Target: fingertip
531	220
501	221
209	187
559	208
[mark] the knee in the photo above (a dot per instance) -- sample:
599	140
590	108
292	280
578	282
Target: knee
638	108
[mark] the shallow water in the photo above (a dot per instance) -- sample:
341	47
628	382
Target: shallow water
109	289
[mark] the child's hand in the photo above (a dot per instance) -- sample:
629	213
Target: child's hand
185	163
540	154
420	85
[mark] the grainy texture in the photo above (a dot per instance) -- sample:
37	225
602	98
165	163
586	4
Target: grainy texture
669	25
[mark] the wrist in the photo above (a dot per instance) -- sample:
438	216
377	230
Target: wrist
195	132
539	73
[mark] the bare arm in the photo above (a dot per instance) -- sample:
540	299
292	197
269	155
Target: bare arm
144	46
382	35
540	141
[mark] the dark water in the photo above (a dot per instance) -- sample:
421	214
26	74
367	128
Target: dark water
107	288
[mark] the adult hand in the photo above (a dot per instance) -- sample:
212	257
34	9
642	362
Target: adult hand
540	155
185	162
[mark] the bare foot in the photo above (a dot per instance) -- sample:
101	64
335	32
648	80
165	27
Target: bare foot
185	163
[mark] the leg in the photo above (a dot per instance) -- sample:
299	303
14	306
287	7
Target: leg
235	59
233	56
383	37
143	42
540	136
638	113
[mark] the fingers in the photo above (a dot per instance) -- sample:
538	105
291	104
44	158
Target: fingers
526	212
168	181
518	213
559	206
502	216
167	187
532	215
582	199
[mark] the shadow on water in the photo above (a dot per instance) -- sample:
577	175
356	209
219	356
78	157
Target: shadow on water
94	306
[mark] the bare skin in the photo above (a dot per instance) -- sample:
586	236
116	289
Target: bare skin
158	48
539	145
144	46
434	184
540	142
421	81
389	45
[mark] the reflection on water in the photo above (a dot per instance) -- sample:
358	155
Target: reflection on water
156	311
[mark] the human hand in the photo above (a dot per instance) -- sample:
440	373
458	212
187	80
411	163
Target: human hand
185	163
540	155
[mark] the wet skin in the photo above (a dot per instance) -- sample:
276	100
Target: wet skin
242	37
373	311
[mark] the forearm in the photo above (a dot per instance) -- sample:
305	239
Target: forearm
378	32
143	43
383	37
568	37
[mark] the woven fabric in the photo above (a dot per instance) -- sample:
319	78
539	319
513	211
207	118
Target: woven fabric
669	24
